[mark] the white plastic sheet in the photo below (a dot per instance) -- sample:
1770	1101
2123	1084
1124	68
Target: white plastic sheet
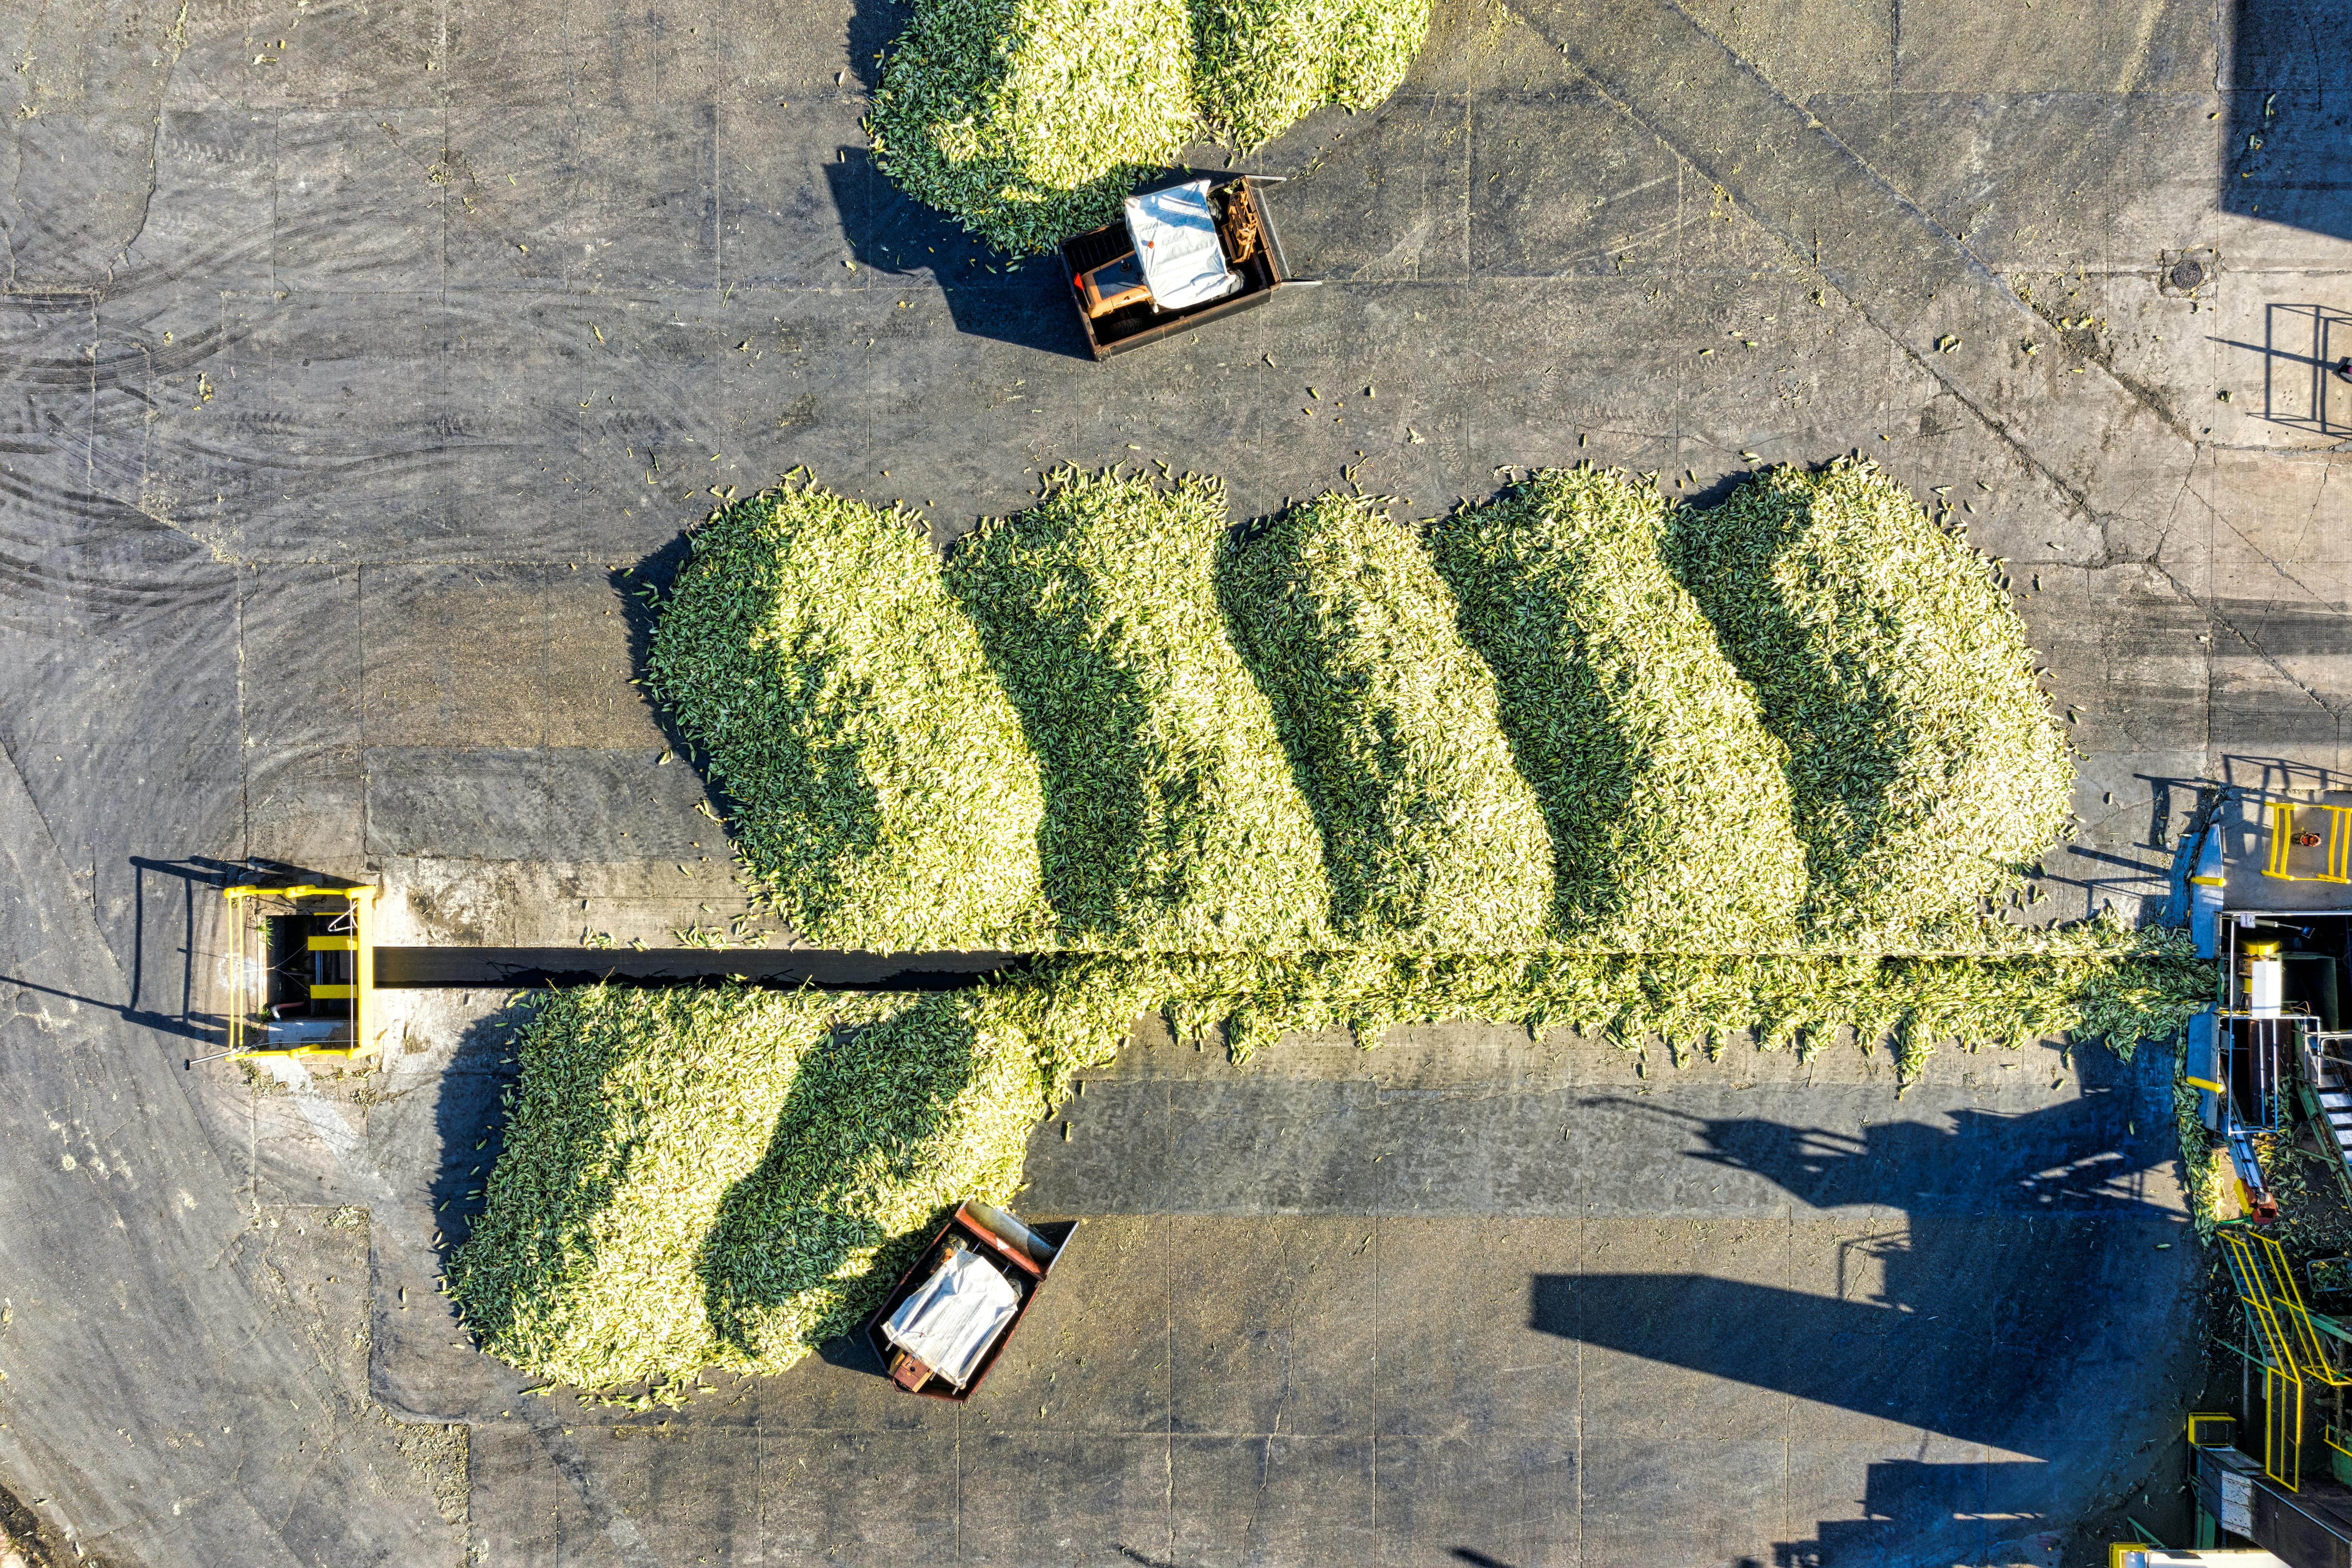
954	1316
1175	236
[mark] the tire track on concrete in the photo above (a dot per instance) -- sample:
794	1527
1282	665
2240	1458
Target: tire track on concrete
157	1222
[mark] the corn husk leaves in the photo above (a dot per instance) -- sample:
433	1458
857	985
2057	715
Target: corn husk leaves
1030	120
1430	836
1172	818
884	796
726	1179
1108	724
1926	768
1666	797
1261	65
1327	773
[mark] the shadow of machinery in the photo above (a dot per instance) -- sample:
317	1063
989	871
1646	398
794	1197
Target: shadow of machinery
1955	1338
2285	160
1915	1513
1020	300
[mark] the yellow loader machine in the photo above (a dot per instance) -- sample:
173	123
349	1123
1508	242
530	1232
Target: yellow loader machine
299	971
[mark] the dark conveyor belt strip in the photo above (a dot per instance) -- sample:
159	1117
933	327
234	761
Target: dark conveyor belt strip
449	969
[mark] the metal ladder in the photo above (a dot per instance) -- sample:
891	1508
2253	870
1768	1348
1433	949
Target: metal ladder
2292	1353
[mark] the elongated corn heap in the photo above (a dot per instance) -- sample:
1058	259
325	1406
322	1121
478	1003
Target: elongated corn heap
1172	818
1261	65
2092	981
726	1179
1666	797
729	1177
886	797
1430	836
1927	767
1030	120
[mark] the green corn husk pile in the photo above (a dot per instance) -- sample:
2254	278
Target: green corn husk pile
2092	980
1171	819
1926	768
1431	767
727	1177
1030	120
1430	836
1666	797
886	797
1259	65
1106	724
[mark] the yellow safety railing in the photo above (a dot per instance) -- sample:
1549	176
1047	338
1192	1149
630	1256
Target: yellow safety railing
2337	865
2277	1279
2283	1428
2291	1346
243	930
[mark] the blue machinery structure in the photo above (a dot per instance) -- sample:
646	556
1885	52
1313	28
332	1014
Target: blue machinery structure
2269	894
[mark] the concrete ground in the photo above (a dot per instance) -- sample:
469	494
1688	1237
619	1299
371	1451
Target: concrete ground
357	357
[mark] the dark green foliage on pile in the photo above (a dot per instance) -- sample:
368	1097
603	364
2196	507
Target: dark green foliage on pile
1926	770
1430	836
1668	800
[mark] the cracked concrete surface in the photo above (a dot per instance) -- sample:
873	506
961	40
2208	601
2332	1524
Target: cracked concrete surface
359	356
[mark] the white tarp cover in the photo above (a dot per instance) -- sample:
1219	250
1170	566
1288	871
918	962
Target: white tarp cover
1175	237
949	1323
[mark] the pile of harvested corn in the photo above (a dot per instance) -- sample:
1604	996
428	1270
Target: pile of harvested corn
884	796
729	1177
1668	800
1029	120
1522	732
1259	65
1926	768
2092	981
1430	836
1171	819
1322	774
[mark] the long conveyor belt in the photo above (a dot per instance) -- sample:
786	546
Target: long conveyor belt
452	968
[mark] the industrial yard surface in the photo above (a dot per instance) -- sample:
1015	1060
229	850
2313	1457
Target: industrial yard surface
361	359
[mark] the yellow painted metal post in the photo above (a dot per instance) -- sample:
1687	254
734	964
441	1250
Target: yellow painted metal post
361	904
2283	1428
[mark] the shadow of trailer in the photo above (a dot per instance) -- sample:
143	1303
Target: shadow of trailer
1114	301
